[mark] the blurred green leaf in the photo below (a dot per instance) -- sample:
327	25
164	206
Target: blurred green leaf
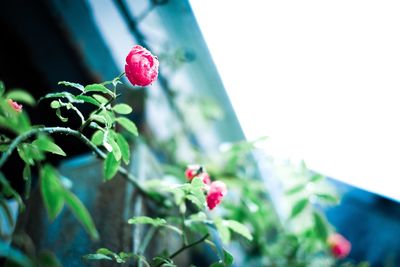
147	220
48	259
223	230
21	96
320	225
2	88
97	257
298	207
295	189
111	166
328	198
55	104
52	191
128	125
316	178
124	147
26	174
238	228
74	85
122	109
97	137
81	214
46	144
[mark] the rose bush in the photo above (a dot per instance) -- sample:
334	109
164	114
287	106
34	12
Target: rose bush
183	204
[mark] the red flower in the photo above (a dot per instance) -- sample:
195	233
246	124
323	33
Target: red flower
141	66
17	107
215	194
340	246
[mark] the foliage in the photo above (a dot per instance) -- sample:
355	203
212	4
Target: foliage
294	235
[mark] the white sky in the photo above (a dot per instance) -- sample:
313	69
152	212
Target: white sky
321	78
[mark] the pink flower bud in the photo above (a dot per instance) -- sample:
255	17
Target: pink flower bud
205	177
340	246
17	107
141	66
192	171
215	194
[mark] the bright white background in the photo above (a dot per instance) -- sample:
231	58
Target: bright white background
320	78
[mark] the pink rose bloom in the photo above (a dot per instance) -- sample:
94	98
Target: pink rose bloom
340	246
215	194
17	107
141	66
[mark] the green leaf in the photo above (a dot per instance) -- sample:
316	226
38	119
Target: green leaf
97	257
238	228
74	85
55	104
320	225
115	148
316	178
52	191
223	230
97	137
67	95
122	109
147	220
29	153
88	99
298	207
2	88
98	88
128	125
46	144
295	189
111	166
328	198
124	147
195	200
101	99
81	214
21	96
226	261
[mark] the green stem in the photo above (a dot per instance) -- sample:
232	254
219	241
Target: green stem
76	134
176	253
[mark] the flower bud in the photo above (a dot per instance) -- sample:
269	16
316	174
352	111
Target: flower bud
141	66
340	246
15	106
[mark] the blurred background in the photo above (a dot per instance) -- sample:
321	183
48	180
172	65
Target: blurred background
321	81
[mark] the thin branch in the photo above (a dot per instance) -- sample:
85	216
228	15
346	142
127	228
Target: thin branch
176	253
